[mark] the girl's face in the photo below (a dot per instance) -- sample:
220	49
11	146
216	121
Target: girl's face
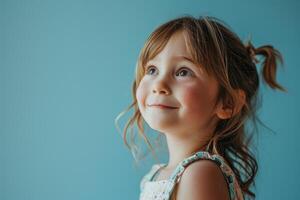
175	96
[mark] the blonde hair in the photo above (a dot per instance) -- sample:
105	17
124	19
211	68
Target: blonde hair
223	55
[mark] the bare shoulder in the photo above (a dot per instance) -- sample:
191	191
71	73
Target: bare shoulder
203	180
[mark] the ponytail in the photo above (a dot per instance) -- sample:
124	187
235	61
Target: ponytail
269	65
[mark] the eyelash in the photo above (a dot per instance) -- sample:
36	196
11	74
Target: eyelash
180	69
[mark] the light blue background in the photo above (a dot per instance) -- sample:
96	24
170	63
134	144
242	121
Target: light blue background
66	72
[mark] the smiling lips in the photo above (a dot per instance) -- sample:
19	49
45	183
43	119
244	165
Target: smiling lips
162	106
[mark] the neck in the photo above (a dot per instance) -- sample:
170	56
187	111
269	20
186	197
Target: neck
181	148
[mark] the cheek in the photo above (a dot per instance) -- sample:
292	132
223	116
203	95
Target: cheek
141	93
196	100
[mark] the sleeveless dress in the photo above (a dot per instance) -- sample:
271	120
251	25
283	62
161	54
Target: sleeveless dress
162	189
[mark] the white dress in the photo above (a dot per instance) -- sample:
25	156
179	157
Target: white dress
151	189
162	189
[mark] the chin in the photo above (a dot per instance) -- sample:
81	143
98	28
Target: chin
163	127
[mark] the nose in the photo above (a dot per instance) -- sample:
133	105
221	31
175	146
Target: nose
161	87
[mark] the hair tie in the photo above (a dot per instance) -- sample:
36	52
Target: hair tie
252	52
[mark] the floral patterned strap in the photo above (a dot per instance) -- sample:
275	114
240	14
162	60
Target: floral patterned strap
234	190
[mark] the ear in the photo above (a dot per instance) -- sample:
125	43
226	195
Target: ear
227	111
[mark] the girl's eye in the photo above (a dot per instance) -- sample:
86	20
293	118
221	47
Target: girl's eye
148	69
181	72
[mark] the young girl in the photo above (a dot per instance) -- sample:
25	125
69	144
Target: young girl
197	84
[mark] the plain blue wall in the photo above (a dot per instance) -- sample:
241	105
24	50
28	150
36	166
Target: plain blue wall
66	72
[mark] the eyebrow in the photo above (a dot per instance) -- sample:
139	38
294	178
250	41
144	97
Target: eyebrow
183	57
178	57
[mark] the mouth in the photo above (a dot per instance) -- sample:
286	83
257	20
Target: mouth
162	106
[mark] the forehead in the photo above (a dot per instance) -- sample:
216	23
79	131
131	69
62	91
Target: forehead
175	49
